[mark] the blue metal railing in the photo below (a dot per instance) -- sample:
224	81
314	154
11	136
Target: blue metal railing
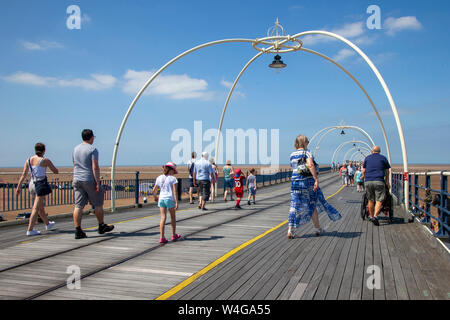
432	198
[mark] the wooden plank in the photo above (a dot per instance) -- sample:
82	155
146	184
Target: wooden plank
358	274
400	285
388	274
367	294
330	291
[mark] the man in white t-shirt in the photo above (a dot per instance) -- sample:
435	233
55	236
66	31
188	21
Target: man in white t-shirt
203	173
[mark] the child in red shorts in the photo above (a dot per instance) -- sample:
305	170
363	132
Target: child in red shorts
239	178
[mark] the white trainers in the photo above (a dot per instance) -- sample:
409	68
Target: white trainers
50	225
319	231
33	233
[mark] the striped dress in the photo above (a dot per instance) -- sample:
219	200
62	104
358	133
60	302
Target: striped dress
303	198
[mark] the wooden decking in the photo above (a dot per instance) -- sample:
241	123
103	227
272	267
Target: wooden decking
130	264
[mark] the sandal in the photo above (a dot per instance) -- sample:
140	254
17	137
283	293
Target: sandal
175	237
163	240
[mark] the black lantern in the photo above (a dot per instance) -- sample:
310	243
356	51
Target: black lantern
342	132
277	63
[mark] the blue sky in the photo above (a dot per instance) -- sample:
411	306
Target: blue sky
54	82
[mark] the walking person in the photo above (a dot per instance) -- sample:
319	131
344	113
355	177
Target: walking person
214	179
190	166
38	186
351	174
203	174
376	181
228	173
343	173
239	178
306	197
87	184
359	180
251	186
167	200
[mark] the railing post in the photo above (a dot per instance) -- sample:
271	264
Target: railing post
427	186
443	204
136	190
416	191
179	188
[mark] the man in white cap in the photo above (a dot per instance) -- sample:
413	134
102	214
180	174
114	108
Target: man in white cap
202	175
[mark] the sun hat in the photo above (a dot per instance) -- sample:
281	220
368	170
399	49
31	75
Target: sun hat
171	165
229	162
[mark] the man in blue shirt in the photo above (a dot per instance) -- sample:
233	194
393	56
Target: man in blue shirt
376	178
203	172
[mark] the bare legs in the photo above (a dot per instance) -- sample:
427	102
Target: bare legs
78	214
378	206
162	222
38	209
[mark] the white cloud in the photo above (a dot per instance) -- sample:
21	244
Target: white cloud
394	25
95	82
41	45
343	54
349	30
228	85
173	86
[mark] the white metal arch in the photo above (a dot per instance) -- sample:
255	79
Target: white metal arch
341	127
353	156
277	46
333	128
338	149
353	148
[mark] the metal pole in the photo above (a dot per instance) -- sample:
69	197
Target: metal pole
149	81
388	95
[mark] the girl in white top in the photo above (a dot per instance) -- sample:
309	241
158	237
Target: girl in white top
39	165
168	198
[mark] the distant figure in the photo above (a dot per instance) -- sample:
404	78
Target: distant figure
376	181
351	174
203	174
343	173
251	186
239	178
37	165
228	173
359	180
87	184
190	166
214	179
306	197
168	199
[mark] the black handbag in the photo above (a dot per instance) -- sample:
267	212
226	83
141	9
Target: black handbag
41	187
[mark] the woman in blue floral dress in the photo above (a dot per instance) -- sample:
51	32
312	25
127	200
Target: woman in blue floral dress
306	197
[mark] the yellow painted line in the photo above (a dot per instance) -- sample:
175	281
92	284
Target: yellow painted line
192	278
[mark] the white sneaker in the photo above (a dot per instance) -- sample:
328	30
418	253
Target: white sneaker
33	233
319	231
50	225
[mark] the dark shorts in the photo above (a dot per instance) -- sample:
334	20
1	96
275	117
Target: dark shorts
191	183
375	190
229	183
84	191
204	189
